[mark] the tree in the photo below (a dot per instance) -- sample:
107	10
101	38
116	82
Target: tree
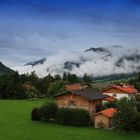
139	77
72	78
10	88
127	116
87	79
64	76
57	77
56	87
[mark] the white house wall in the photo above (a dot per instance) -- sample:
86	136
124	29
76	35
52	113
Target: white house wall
118	95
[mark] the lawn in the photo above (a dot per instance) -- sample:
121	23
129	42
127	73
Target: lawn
15	124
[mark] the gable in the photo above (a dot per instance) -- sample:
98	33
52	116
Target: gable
70	96
67	100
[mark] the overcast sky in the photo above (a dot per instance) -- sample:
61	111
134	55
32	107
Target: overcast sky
33	29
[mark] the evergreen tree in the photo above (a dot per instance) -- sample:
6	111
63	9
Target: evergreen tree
87	79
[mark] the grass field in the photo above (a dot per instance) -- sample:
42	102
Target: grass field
15	124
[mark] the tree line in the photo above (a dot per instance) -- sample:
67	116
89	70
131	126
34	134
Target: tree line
11	85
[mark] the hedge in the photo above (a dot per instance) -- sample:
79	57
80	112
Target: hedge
48	112
73	117
35	114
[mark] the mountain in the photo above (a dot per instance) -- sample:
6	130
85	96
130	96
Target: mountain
70	65
113	61
113	77
133	58
99	50
34	63
4	69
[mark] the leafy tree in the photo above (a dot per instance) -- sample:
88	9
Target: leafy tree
10	88
56	87
127	116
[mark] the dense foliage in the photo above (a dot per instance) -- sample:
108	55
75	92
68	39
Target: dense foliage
11	88
15	86
135	81
127	115
48	112
56	87
74	117
35	114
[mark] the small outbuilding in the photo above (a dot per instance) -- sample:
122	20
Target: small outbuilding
103	119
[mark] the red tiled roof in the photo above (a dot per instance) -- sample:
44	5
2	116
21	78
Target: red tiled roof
75	87
126	88
108	112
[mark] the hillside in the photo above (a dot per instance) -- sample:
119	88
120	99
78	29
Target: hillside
4	69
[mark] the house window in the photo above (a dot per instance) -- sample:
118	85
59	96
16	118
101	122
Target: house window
71	103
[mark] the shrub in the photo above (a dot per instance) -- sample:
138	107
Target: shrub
35	114
48	112
74	117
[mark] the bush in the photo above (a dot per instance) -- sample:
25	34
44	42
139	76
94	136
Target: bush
74	117
48	112
35	114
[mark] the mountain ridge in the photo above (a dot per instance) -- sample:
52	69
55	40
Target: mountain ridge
4	69
97	62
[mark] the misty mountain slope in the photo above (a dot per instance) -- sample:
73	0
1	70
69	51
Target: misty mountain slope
99	50
33	63
4	69
97	62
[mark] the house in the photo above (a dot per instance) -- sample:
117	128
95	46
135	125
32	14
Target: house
104	118
29	87
88	99
102	85
119	91
76	86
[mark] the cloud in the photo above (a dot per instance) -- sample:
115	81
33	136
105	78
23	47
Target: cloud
92	63
31	29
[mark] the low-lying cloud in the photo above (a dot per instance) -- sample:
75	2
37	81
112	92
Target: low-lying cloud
116	60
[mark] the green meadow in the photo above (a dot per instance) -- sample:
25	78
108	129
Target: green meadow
16	124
